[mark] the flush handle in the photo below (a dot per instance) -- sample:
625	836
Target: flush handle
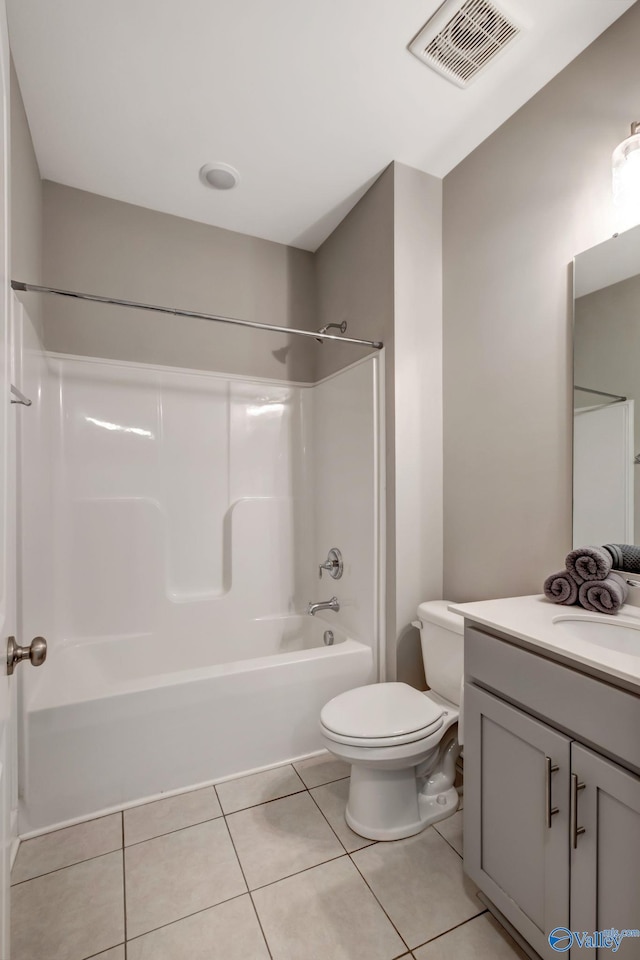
36	652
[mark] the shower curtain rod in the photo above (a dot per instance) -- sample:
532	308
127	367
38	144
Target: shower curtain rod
34	288
601	393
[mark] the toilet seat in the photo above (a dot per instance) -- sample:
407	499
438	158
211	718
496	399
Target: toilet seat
381	715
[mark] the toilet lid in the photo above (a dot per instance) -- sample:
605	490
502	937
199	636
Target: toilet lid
380	711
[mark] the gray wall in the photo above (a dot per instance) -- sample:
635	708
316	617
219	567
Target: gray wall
516	211
355	276
26	203
355	282
381	271
103	246
417	409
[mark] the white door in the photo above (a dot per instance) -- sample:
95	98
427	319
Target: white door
603	474
7	568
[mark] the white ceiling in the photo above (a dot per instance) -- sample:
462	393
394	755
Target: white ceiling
309	99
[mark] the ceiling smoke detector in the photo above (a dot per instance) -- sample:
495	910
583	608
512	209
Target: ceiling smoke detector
463	37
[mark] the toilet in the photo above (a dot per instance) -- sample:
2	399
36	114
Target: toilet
403	744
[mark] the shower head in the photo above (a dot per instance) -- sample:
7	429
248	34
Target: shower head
329	326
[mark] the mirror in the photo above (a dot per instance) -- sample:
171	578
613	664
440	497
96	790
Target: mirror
606	392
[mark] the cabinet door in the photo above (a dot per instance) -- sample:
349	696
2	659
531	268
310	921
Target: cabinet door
605	853
515	848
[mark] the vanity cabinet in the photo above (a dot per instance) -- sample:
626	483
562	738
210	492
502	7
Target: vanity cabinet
515	846
552	827
605	859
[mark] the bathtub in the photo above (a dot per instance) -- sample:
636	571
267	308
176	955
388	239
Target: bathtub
112	721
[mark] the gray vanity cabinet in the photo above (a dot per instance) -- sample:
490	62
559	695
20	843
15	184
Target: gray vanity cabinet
605	858
516	815
551	826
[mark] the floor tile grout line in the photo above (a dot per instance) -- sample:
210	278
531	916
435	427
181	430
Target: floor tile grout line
304	869
178	919
122	847
322	813
451	929
371	843
244	877
324	782
188	826
114	947
262	803
255	910
124	885
298	873
447	841
67	866
453	848
249	776
71	826
195	913
377	899
237	855
125	846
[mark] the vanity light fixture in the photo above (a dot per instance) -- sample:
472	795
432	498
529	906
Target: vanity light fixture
626	178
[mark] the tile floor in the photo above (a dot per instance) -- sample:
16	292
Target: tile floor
259	868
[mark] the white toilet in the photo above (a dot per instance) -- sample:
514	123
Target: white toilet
402	744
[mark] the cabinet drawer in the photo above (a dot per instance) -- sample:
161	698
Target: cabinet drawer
589	709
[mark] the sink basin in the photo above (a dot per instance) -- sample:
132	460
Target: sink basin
622	636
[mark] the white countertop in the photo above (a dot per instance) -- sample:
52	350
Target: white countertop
533	620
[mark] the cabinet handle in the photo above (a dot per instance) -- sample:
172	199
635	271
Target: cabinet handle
549	768
573	813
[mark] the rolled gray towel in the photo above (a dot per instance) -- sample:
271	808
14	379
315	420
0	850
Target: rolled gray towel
561	588
589	563
604	596
625	556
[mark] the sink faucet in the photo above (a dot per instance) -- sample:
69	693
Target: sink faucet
333	604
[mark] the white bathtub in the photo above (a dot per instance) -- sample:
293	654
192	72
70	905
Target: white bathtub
109	722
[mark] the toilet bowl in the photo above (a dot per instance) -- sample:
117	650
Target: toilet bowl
403	744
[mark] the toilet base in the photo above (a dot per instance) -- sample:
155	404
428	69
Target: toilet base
431	810
392	804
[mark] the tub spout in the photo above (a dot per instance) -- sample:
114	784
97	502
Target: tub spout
333	604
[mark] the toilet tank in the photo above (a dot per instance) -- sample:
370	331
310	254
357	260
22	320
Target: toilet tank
441	638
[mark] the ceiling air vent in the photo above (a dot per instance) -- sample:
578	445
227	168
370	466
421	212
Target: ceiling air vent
463	38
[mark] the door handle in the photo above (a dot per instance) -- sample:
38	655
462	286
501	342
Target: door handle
36	652
574	829
549	768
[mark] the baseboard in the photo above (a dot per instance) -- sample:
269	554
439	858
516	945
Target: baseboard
15	839
96	814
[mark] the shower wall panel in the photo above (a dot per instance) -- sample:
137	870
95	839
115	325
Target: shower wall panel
180	501
34	489
347	419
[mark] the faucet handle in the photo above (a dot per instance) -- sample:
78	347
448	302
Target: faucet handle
333	564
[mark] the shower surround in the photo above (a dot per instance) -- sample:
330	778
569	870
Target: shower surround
172	530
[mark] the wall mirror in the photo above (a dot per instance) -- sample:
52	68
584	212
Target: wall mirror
606	392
